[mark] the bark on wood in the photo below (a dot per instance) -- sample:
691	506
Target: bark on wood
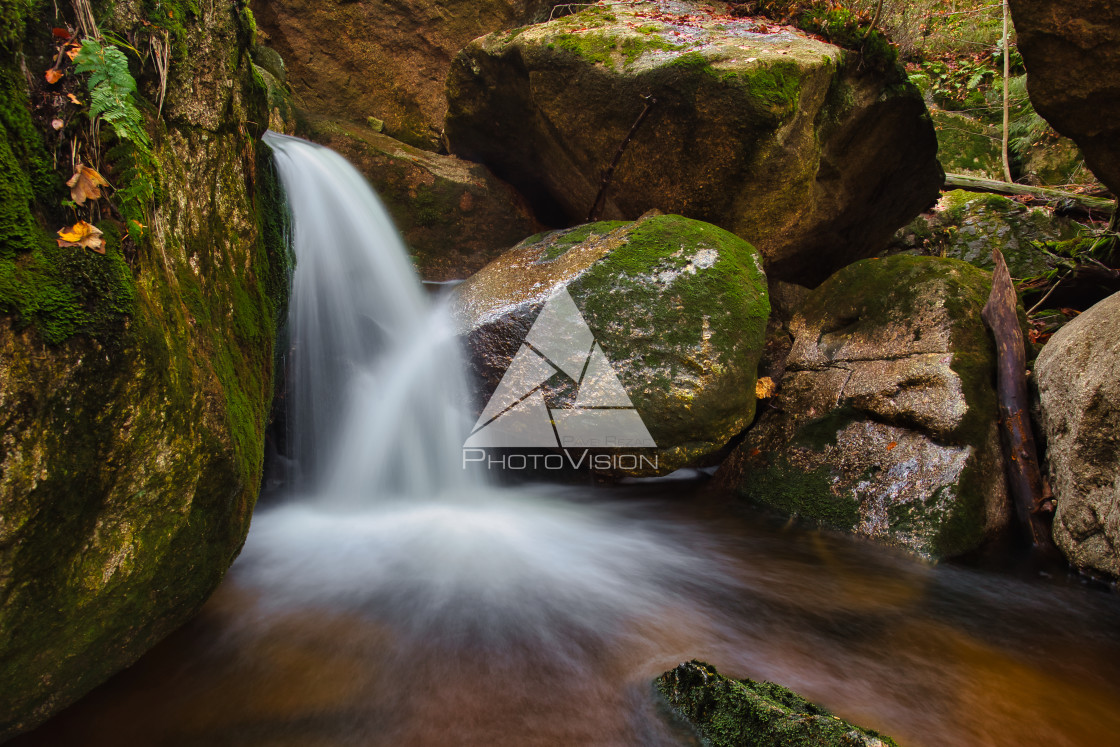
1020	455
1094	206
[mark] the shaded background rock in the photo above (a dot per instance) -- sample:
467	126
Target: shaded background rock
771	134
679	307
383	59
134	392
1072	53
454	215
1078	375
885	419
730	713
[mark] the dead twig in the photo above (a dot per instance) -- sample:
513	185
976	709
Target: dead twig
608	173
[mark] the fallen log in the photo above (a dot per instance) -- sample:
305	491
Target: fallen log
1092	206
1028	493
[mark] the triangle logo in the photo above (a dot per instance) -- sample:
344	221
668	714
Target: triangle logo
560	343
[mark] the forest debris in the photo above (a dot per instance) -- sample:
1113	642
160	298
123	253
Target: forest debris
82	234
1056	198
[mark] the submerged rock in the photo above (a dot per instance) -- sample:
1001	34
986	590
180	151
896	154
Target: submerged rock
885	419
353	60
968	225
454	215
134	386
733	713
1072	53
764	131
678	308
1079	386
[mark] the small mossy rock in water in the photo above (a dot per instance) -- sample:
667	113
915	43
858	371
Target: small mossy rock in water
1078	374
353	60
134	392
454	215
735	713
966	146
1072	53
773	135
968	225
678	307
885	421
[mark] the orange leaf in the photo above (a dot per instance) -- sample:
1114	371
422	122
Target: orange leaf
72	50
81	234
765	387
891	445
74	99
53	76
85	185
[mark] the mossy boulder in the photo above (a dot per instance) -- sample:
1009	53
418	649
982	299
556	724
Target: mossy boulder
966	145
388	60
762	130
1072	53
1078	373
885	420
134	386
732	713
678	307
454	215
968	225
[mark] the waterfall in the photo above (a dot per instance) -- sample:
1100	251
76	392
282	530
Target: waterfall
375	388
385	521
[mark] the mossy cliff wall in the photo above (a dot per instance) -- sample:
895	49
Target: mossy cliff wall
134	386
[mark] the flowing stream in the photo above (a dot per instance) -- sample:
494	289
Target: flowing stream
390	598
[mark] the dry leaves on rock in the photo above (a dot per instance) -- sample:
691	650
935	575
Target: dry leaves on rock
82	234
85	184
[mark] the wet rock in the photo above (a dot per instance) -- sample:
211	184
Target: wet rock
352	60
731	713
1078	373
885	419
771	134
967	226
677	306
454	215
1072	53
135	385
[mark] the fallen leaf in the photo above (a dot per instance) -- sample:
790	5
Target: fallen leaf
74	99
57	124
81	234
72	50
891	445
765	387
85	184
61	33
53	76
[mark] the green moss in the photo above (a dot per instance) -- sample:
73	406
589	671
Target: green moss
795	491
733	713
13	19
561	241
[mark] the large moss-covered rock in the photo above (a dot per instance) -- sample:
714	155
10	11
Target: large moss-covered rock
1072	53
968	225
134	386
1079	385
966	145
734	713
454	215
679	308
775	136
885	419
388	60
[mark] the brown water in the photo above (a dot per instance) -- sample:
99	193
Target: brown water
944	655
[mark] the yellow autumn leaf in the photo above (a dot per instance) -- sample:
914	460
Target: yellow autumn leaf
82	234
85	184
765	387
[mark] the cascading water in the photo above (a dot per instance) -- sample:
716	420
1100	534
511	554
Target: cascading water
387	518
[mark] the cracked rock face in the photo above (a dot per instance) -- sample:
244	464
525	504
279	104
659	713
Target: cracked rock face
885	420
1079	386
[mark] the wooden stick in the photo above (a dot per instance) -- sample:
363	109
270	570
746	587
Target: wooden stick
1038	194
601	198
1020	454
